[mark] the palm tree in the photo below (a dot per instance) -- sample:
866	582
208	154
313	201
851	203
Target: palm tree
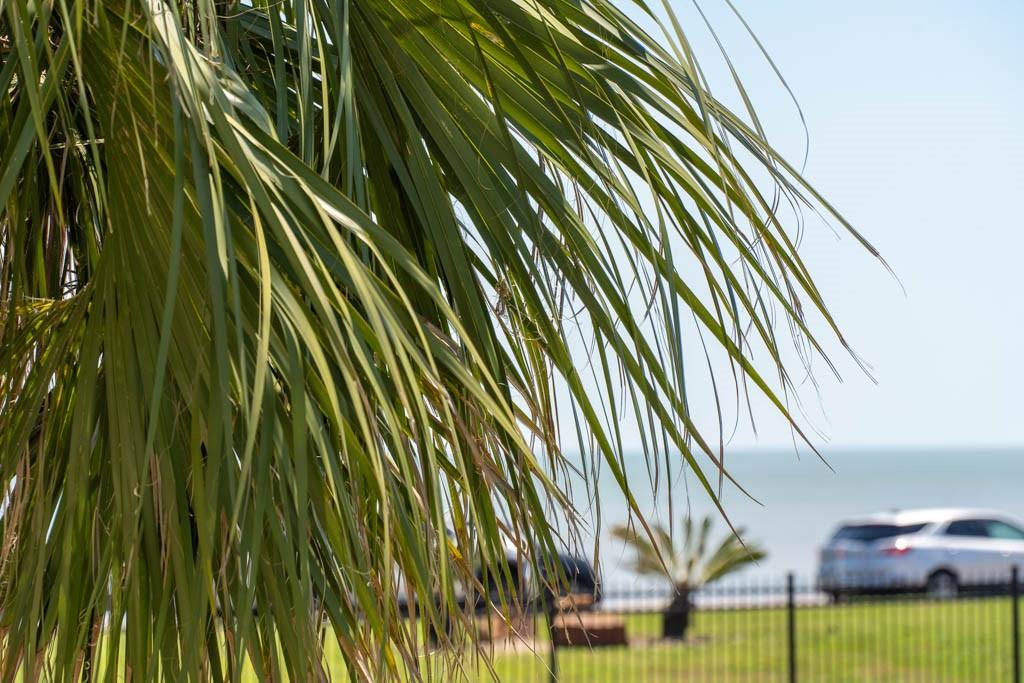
289	287
688	567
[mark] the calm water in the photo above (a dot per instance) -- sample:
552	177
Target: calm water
801	500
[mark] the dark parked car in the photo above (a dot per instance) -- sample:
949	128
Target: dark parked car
580	582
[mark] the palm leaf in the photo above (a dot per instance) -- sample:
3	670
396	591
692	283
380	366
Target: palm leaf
651	557
286	292
731	555
692	565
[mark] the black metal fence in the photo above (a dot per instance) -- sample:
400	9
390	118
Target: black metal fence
772	631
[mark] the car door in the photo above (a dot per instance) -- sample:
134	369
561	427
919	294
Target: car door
969	550
1007	541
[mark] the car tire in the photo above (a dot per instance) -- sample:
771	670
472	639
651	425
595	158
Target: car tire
942	585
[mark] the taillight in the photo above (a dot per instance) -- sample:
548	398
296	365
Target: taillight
897	549
832	553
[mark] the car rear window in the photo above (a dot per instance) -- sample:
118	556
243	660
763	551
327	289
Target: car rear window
874	532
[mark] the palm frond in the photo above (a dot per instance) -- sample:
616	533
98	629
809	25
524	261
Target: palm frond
285	292
731	555
692	565
652	558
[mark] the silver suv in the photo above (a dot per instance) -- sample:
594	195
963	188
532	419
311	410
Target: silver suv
940	551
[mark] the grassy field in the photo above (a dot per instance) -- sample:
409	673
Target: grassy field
967	641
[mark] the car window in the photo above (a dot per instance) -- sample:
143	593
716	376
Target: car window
875	532
997	529
969	527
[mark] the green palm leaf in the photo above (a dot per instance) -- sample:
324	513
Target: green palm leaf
289	288
693	564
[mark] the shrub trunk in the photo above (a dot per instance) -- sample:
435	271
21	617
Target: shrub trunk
676	619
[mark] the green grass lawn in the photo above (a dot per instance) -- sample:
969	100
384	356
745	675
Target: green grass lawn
967	641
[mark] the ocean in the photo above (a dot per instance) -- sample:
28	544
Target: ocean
800	500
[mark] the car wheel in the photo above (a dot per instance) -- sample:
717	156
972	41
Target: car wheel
942	586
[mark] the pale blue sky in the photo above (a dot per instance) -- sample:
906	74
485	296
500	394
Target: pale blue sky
915	111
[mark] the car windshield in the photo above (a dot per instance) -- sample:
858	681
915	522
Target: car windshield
874	532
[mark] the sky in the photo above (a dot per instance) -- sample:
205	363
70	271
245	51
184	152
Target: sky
915	111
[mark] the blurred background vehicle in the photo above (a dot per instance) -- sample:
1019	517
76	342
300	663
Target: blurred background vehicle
939	551
579	584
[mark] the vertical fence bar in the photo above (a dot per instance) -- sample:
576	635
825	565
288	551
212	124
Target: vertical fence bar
1015	604
553	654
791	625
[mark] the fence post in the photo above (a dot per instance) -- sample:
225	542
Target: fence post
1015	603
553	654
791	626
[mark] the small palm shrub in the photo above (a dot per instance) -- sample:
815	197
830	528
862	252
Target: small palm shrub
689	566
